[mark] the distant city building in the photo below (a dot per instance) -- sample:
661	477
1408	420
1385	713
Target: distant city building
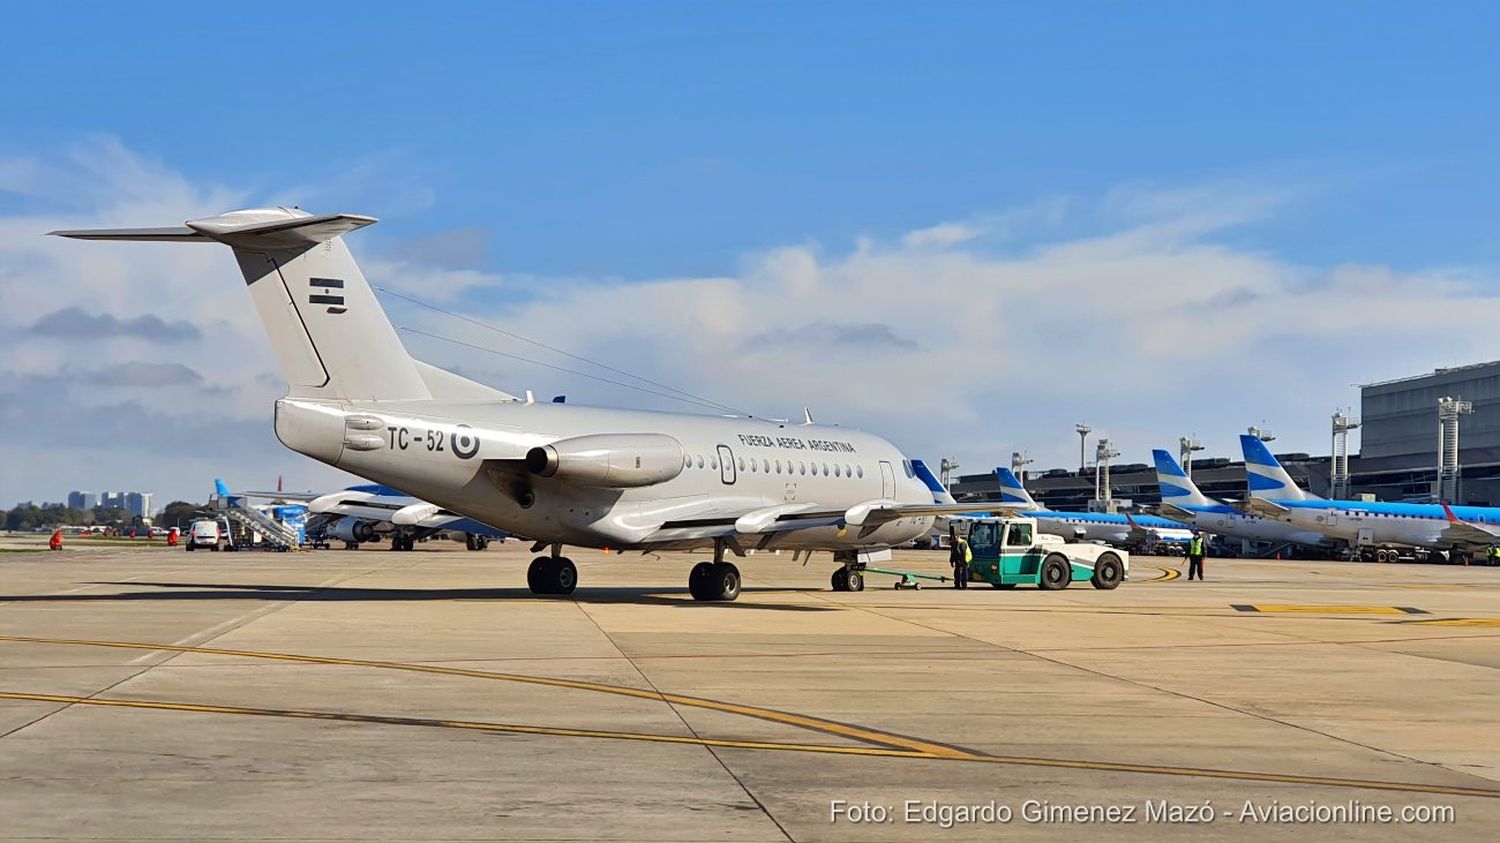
112	500
138	504
82	500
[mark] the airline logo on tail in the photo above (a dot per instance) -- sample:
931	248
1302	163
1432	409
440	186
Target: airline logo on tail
1264	474
1176	487
1011	490
939	494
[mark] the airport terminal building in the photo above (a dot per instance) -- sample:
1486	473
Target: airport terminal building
1397	458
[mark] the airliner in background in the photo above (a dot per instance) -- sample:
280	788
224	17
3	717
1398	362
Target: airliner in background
366	513
1182	501
1115	528
560	474
1456	530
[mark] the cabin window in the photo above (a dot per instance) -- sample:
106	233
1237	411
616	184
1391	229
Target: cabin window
778	466
861	470
765	465
699	460
836	472
742	463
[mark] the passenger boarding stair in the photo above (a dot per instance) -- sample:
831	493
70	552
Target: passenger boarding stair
250	522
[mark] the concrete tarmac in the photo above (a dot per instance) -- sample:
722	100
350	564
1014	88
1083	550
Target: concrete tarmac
372	695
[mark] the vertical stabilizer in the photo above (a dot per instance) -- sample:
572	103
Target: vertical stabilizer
939	494
1264	474
330	335
1176	487
1011	490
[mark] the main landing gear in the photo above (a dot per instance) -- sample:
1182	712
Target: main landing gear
555	574
849	575
717	580
848	579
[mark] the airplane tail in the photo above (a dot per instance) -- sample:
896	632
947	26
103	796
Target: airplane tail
330	335
1011	490
1265	475
1176	487
939	494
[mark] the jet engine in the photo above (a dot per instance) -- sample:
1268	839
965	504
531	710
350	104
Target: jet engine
611	460
351	529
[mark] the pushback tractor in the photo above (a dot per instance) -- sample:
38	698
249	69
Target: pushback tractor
1009	552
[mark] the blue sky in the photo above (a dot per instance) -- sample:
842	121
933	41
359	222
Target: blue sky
558	152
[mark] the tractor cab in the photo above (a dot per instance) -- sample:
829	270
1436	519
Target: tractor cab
1006	550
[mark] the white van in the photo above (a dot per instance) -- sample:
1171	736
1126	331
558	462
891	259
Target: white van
205	532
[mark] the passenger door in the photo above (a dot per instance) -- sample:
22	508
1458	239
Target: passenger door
726	465
887	480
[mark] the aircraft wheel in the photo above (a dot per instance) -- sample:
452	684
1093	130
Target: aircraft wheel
1005	586
481	542
725	582
698	580
539	575
840	579
1108	572
856	581
1056	573
564	576
469	542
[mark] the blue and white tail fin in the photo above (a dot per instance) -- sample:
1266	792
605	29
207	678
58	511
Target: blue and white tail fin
939	494
1177	488
1011	490
330	335
1265	476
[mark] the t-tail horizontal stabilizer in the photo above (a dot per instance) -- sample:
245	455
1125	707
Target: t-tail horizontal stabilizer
330	335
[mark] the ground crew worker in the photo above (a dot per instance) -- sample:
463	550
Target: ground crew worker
959	556
1197	549
1492	555
55	543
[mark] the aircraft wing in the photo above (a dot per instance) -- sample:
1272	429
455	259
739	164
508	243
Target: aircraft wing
1262	507
760	527
877	512
1464	532
300	497
1175	512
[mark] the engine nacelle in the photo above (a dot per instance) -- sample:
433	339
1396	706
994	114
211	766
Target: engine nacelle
610	460
351	529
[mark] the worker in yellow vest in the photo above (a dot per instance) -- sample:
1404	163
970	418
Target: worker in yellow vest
1197	549
959	556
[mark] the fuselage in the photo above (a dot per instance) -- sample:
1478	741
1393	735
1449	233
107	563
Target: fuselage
469	457
1380	522
1106	526
1225	520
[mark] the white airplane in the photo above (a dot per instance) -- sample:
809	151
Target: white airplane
1181	499
558	473
1458	531
367	512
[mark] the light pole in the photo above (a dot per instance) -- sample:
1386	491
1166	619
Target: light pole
1338	473
1083	438
1018	463
1187	446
